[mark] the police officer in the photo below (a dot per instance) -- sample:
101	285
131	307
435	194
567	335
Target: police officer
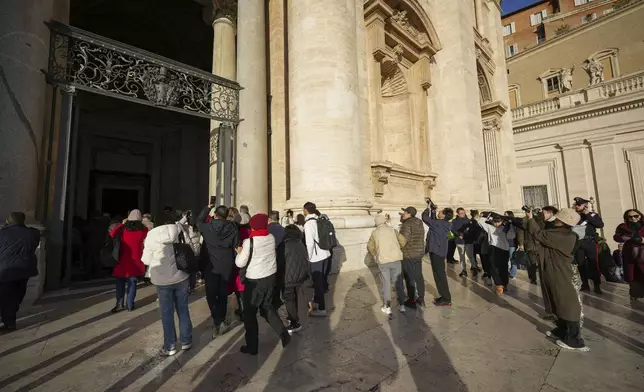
586	255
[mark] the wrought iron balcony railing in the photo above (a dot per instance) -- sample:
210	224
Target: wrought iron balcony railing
100	65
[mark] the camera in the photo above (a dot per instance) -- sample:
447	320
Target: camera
431	203
526	208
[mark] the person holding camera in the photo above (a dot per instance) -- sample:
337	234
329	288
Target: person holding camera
437	238
559	276
498	252
587	253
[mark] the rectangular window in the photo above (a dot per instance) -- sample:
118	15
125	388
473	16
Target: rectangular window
536	19
508	29
553	84
588	18
511	50
514	99
582	2
541	36
608	68
535	195
608	11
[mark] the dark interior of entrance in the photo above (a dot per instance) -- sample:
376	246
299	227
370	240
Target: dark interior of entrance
132	156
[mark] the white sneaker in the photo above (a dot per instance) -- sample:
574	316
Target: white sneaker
186	346
402	309
386	310
567	347
168	353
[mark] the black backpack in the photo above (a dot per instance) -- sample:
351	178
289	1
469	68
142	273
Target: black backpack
111	250
184	256
326	234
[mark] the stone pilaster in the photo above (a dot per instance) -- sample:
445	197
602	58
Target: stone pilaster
224	64
24	50
252	133
577	167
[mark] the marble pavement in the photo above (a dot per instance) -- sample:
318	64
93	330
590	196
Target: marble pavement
69	341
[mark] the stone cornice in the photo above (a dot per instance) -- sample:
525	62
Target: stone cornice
494	109
576	10
575	114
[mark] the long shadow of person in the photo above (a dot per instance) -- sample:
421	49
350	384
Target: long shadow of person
416	356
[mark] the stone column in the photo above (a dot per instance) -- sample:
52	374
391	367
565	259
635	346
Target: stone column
24	49
224	64
252	133
324	106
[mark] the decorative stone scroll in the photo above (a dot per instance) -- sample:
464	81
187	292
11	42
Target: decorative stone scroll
214	146
380	177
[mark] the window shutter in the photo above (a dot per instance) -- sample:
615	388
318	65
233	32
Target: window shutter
507	51
512	28
516	48
533	20
544	14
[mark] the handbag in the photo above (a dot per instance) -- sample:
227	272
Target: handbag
242	271
184	256
111	250
520	258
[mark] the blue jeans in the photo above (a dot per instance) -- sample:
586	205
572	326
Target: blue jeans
175	297
511	264
120	291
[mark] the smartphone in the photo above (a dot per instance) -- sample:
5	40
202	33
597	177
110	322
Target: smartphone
213	200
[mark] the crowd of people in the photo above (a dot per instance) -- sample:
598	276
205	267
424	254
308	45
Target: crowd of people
264	261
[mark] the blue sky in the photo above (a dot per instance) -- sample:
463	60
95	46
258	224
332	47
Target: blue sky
513	5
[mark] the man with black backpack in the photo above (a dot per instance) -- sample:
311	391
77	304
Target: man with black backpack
319	236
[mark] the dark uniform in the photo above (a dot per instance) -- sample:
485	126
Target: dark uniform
586	254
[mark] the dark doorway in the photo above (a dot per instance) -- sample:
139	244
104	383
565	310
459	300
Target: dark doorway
119	202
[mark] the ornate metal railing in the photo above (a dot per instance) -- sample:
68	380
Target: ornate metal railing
97	64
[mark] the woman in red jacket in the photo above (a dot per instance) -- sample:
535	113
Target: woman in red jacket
631	234
132	233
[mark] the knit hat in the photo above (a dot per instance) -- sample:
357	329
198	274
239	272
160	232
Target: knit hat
259	222
380	219
135	215
568	216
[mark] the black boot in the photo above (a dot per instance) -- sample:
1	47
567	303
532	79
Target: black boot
573	339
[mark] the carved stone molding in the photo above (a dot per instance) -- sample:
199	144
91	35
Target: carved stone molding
491	125
380	178
428	185
214	145
484	53
224	9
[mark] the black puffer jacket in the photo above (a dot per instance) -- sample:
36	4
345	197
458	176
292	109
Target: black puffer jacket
18	245
296	269
220	239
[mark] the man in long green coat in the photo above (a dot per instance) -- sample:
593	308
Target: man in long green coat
556	258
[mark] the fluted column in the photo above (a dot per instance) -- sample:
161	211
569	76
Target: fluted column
224	64
324	106
252	133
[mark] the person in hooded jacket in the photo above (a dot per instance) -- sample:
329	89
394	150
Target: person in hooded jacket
18	263
220	238
296	272
173	285
631	235
132	233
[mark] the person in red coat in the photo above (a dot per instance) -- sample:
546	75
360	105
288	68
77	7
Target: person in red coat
132	233
631	234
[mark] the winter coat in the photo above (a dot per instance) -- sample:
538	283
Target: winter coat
18	244
158	253
296	269
592	221
458	227
556	260
132	236
632	236
471	232
437	236
412	232
524	238
221	238
263	261
384	244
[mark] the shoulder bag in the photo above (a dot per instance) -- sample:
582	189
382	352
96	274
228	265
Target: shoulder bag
184	256
242	271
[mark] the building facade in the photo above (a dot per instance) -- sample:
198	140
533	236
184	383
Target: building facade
361	106
529	23
579	129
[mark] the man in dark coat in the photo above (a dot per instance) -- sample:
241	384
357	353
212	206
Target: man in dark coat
296	272
221	238
437	246
412	232
18	263
559	275
586	256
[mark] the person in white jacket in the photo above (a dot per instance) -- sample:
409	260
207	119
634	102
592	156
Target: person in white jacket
492	223
257	259
172	285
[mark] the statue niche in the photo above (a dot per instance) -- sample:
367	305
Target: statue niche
395	109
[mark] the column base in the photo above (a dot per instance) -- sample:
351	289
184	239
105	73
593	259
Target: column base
343	207
351	253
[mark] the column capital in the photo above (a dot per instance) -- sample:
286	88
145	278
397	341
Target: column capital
224	9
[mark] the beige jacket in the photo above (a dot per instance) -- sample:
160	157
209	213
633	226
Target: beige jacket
384	244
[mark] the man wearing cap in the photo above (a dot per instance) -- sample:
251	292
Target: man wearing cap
412	241
586	254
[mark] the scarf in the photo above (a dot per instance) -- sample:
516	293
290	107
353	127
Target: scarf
259	233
